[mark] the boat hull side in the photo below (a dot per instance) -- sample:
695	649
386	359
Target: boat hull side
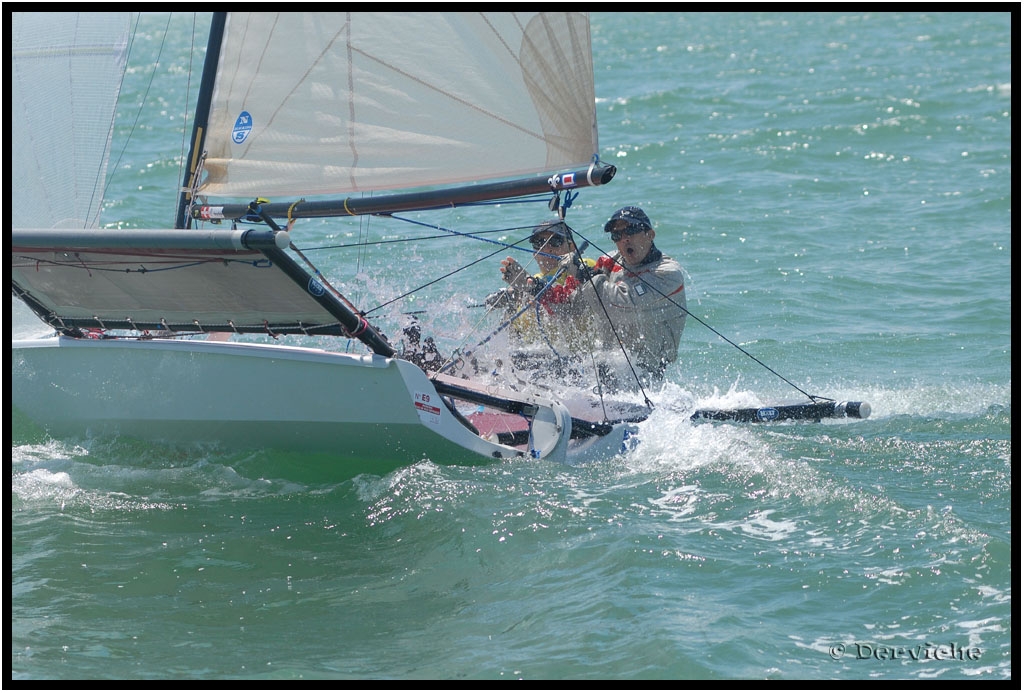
356	409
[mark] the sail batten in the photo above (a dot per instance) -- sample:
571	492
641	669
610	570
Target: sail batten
337	103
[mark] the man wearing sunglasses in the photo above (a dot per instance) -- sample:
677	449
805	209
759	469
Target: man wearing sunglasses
642	291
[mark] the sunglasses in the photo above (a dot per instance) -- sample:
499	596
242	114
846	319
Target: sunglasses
631	231
550	242
620	228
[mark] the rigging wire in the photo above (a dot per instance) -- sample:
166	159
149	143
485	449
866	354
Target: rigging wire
449	233
721	336
611	325
137	266
145	97
257	210
460	350
506	246
183	151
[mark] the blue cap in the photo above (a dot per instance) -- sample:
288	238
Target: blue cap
628	219
554	227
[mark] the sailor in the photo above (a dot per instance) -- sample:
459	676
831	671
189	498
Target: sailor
552	243
642	291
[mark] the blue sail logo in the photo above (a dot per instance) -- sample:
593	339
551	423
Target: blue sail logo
243	126
316	288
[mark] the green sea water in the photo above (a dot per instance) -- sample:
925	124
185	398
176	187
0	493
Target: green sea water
838	188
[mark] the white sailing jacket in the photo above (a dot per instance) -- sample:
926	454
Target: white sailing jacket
646	304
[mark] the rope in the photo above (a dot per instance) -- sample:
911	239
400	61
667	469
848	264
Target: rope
534	302
363	326
622	347
813	398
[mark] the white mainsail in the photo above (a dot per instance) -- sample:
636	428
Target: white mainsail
301	104
327	103
65	76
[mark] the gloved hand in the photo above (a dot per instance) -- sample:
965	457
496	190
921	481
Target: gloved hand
501	298
513	273
605	265
573	266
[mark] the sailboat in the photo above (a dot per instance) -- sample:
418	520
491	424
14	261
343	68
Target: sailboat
182	335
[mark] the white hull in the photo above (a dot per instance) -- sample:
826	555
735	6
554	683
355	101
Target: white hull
366	413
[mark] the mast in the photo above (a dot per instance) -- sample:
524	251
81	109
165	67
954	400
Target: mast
202	117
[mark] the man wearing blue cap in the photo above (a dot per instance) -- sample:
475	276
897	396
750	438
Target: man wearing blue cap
642	291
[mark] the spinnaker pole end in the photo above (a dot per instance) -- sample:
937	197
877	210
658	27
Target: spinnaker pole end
856	410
